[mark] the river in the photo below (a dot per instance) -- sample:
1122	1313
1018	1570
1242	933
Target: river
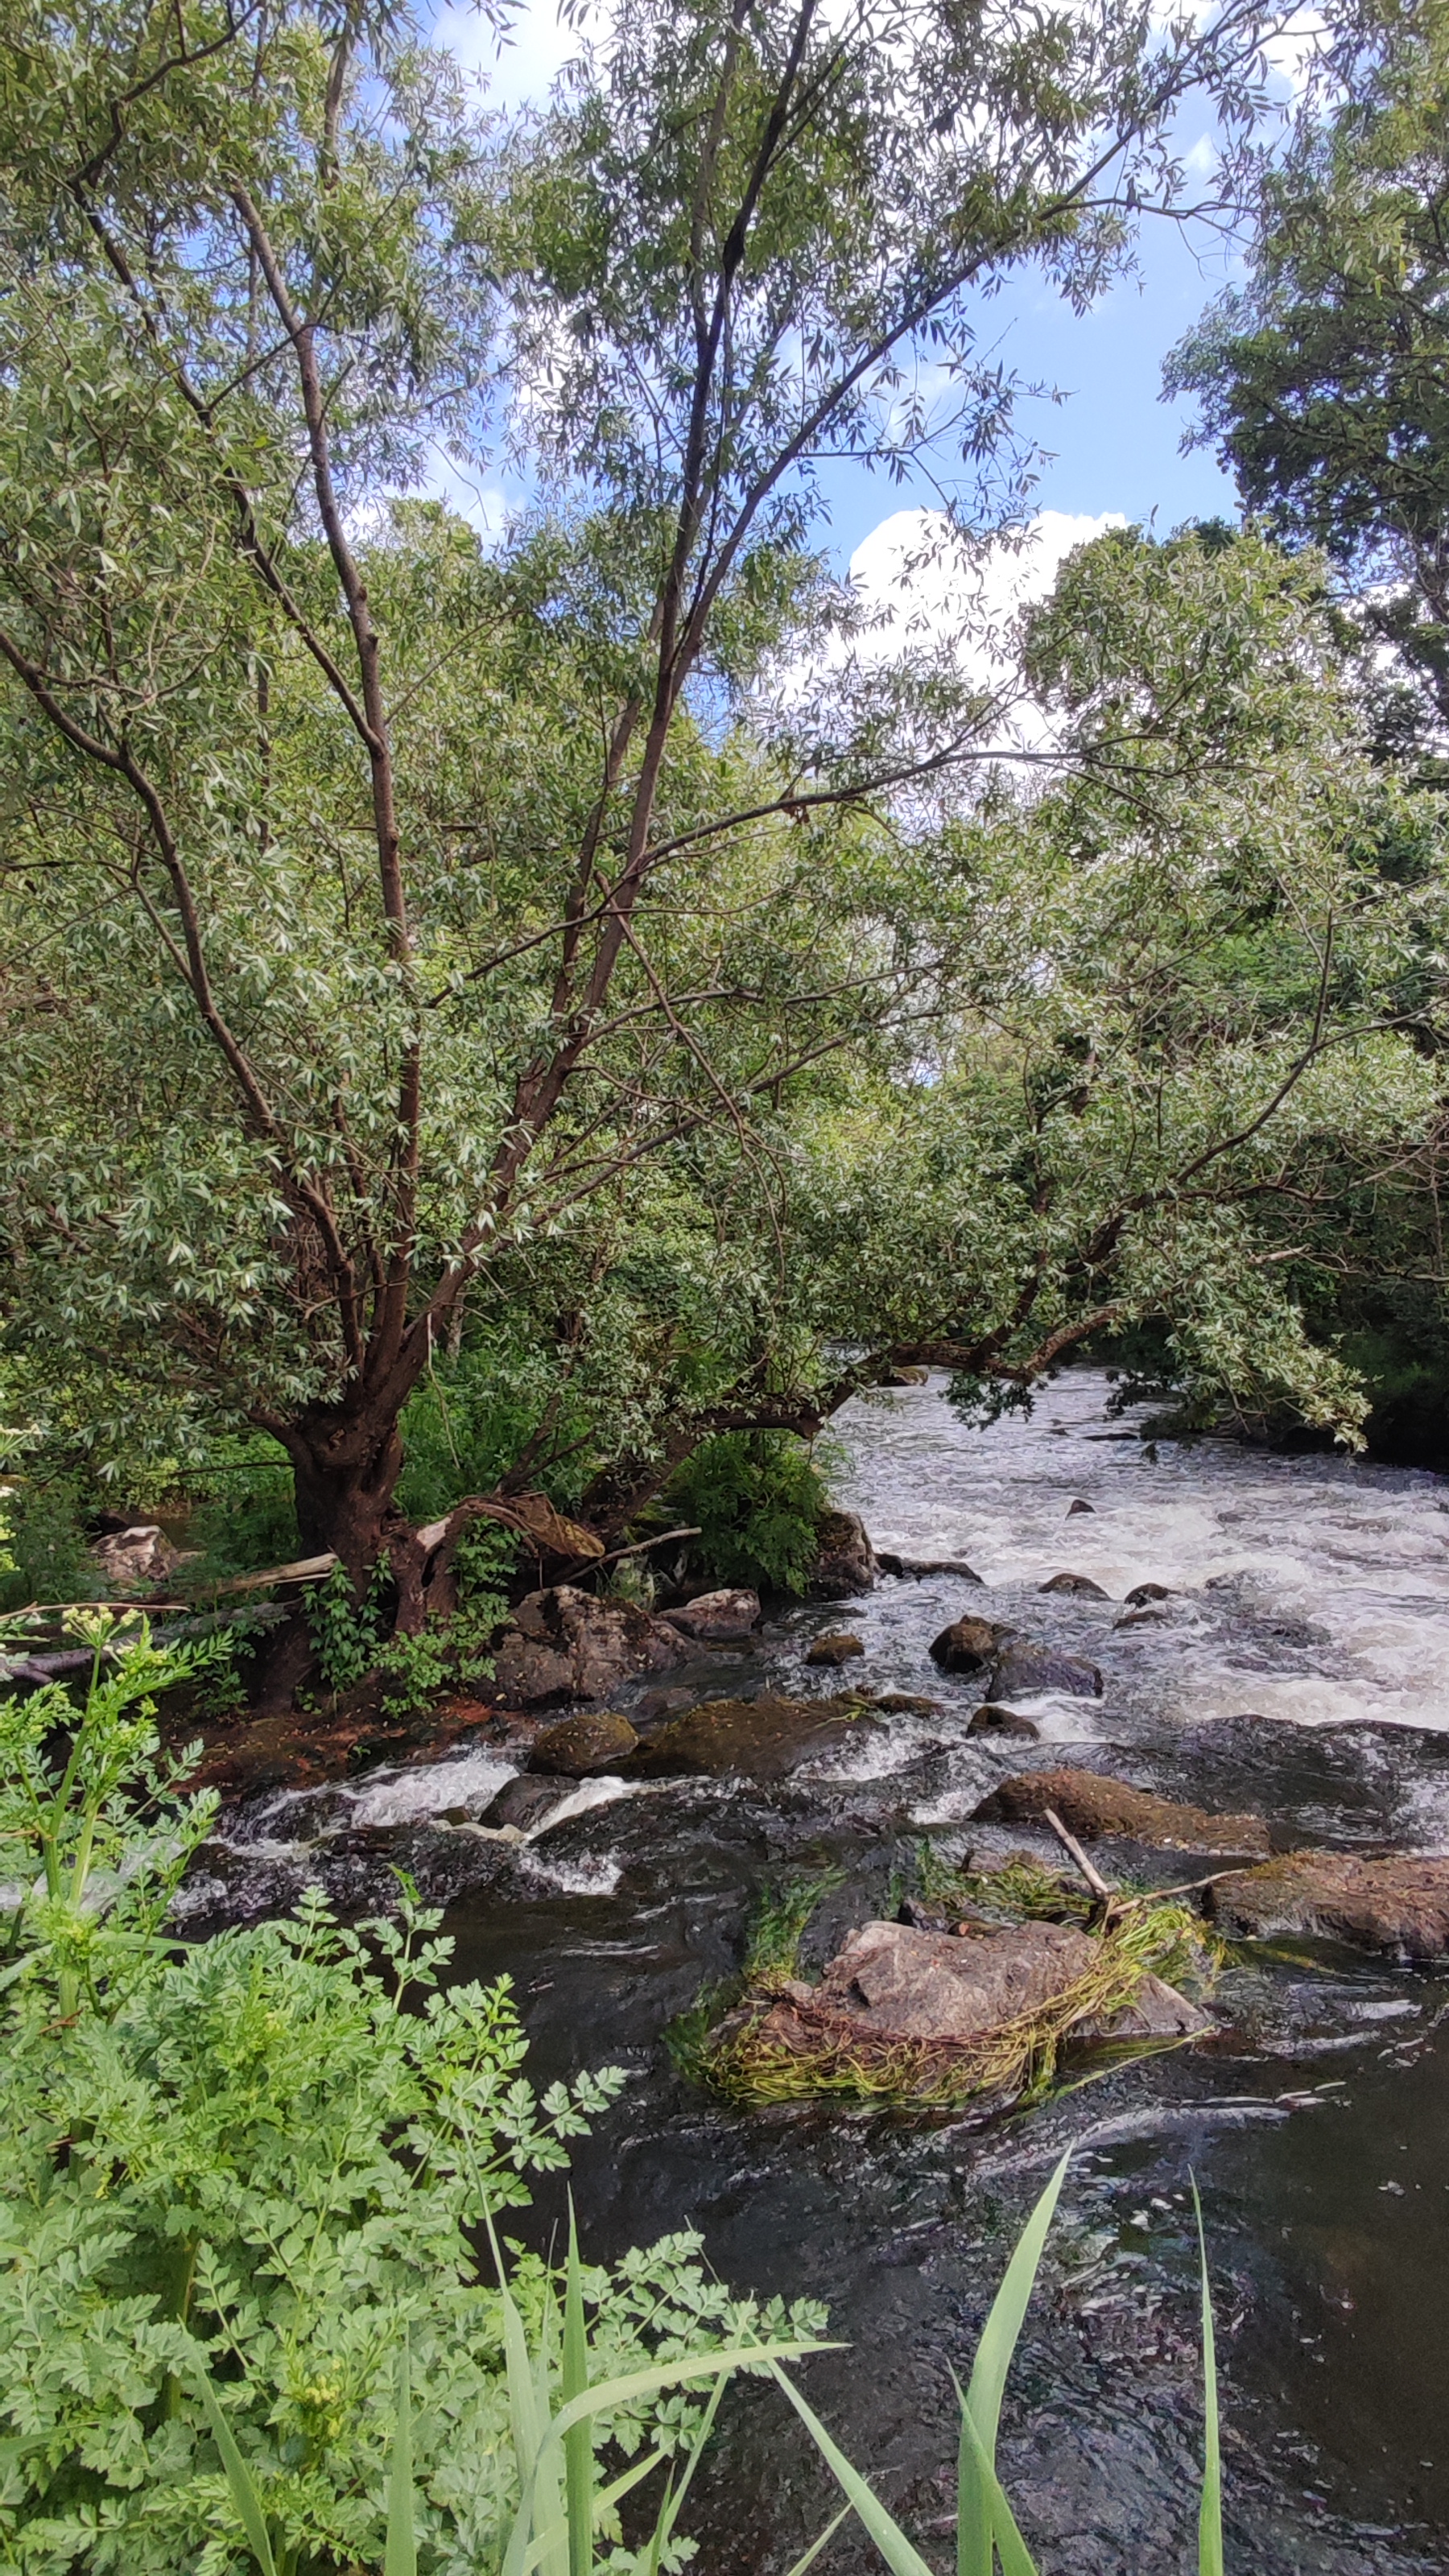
1301	1667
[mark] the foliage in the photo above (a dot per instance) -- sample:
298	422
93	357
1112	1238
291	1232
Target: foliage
257	2166
1323	376
757	1498
46	1558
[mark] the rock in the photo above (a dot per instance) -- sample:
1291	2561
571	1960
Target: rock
1075	1583
1151	1616
1399	1904
1025	1671
968	1645
845	1563
1091	1804
567	1644
1074	1508
717	1618
132	1557
597	1741
908	1703
765	1739
915	1567
898	1983
1142	1593
1157	2012
837	1649
904	1376
991	1720
654	1704
524	1802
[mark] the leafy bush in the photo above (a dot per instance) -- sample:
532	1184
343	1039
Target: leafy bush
43	1551
251	2172
757	1497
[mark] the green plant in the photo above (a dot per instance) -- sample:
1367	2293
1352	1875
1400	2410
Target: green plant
757	1498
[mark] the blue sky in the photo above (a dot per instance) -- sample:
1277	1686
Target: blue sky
1114	445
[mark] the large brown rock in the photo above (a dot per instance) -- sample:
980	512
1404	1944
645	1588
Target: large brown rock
837	1648
1089	1804
845	1562
1080	1583
764	1739
598	1740
567	1644
717	1618
131	1558
898	1983
968	1645
1399	1904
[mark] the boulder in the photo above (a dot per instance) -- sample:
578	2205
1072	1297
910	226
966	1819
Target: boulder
717	1618
1399	1904
598	1740
845	1561
913	1568
991	1720
968	1645
908	1703
835	1649
1025	1671
130	1558
764	1739
1075	1583
1151	1615
525	1802
1157	2011
652	1705
898	1983
1090	1804
1142	1593
567	1644
1074	1508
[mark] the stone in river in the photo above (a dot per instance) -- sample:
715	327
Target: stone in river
717	1618
567	1644
764	1739
1157	2011
1399	1904
915	1568
845	1560
968	1645
1142	1593
990	1720
835	1649
1091	1804
1075	1583
1079	1507
1151	1616
1025	1671
524	1802
597	1741
908	1703
902	1984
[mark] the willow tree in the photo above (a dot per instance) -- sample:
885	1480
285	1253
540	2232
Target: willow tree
377	904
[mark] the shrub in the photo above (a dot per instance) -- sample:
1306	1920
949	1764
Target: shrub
757	1497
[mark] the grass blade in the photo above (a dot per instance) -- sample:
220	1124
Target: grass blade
1016	2558
240	2480
824	2541
400	2557
900	2555
982	2401
579	2440
1210	2511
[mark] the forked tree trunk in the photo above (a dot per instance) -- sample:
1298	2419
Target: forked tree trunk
344	1472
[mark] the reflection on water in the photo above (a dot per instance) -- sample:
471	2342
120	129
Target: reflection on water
1306	1589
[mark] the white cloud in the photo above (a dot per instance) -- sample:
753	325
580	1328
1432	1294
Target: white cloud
918	586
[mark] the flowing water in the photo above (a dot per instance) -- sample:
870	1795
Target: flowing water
1301	1667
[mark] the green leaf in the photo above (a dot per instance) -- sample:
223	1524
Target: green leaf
981	2405
900	2554
240	2480
1210	2511
578	2442
401	2555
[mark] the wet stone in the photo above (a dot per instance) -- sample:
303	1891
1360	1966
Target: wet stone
1091	1804
968	1645
913	1569
1026	1671
567	1644
991	1720
718	1618
1142	1593
1074	1508
839	1648
845	1562
1399	1904
1081	1583
525	1802
764	1739
597	1741
904	1703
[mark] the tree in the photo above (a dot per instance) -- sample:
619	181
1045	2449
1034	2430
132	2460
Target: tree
381	903
1325	378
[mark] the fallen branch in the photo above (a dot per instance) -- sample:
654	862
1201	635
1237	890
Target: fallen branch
1104	1894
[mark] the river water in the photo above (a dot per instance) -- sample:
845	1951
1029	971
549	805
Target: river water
1301	1667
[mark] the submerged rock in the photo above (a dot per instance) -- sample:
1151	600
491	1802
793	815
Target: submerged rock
1081	1583
845	1563
567	1644
598	1741
763	1738
525	1802
968	1645
1091	1804
1074	1508
717	1618
1142	1593
912	1568
1399	1904
991	1720
1025	1671
837	1649
1157	2011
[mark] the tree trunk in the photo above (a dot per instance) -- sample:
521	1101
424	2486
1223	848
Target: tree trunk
344	1473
